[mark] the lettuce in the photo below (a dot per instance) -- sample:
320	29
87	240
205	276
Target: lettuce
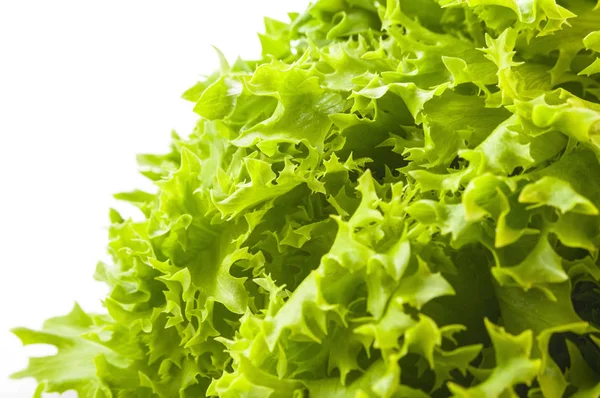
400	199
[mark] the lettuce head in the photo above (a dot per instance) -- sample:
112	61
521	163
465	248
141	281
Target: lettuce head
399	199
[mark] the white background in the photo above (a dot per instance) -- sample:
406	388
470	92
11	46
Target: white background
84	86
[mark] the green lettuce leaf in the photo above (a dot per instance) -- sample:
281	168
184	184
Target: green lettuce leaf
398	199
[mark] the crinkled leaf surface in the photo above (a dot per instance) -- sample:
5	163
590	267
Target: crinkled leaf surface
399	199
